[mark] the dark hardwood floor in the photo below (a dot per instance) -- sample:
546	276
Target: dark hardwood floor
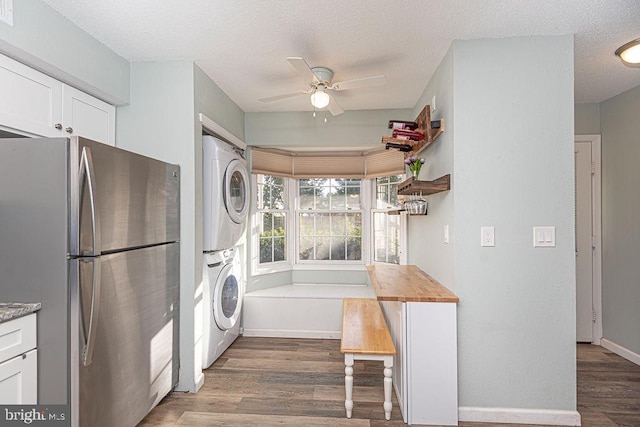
300	382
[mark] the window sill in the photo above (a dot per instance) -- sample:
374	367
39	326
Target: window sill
329	266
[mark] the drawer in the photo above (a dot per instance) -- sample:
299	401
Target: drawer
17	336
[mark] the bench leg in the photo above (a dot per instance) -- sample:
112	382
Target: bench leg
348	383
388	364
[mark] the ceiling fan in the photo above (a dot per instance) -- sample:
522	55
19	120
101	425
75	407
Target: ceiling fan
319	79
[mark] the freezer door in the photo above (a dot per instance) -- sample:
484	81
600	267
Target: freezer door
134	359
124	200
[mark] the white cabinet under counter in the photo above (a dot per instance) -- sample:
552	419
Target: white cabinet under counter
18	356
421	315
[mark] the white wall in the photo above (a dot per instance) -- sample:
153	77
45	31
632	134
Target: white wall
620	225
45	40
513	169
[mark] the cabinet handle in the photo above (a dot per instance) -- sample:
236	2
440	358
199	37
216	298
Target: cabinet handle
58	126
69	130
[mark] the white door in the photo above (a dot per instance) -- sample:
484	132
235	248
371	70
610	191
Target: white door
584	243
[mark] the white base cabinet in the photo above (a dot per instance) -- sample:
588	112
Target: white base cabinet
425	370
35	104
18	361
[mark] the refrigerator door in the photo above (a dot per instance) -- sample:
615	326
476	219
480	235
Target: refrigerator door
125	200
134	361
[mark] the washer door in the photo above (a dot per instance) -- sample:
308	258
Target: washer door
236	191
227	299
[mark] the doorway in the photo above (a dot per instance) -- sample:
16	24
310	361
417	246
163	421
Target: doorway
588	241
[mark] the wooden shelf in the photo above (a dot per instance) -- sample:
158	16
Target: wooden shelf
412	186
424	125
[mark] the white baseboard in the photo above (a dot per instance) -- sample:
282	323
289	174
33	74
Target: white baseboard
519	416
621	351
290	333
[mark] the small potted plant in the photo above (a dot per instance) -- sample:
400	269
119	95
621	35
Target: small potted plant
415	164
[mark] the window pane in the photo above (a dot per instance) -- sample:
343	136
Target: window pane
307	224
322	248
323	224
306	248
337	248
279	223
354	248
354	224
353	197
267	223
266	249
386	233
279	252
338	224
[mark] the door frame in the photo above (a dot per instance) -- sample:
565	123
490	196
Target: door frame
596	232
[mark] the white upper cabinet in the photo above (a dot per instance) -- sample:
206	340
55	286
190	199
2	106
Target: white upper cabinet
86	116
36	104
29	100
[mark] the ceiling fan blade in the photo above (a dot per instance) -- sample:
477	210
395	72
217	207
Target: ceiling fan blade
356	83
334	108
284	96
303	69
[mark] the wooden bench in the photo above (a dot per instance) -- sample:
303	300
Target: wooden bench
365	336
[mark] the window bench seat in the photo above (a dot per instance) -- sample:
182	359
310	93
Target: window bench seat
299	310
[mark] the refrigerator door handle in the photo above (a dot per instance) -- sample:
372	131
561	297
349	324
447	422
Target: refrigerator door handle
87	172
90	331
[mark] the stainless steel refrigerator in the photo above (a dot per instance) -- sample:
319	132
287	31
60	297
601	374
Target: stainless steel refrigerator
91	231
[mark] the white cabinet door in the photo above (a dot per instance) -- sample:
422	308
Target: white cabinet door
86	116
19	380
29	100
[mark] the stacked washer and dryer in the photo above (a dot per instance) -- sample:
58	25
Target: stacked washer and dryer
226	199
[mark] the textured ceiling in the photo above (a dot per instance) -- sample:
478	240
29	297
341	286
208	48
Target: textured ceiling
243	44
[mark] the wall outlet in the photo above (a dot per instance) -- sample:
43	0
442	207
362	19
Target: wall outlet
487	236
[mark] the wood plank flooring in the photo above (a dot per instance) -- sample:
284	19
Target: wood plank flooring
300	382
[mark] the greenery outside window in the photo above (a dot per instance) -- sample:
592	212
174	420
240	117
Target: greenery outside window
329	220
272	205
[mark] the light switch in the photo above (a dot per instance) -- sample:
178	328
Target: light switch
487	236
445	235
544	237
433	104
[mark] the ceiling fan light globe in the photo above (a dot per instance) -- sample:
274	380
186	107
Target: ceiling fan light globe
319	99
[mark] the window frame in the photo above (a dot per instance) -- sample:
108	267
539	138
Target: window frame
292	211
256	219
402	249
365	203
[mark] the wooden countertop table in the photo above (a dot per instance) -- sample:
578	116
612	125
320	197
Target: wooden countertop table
407	283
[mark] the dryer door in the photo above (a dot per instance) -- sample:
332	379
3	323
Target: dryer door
227	298
236	191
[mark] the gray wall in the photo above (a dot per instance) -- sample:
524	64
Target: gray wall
425	246
162	121
45	40
513	169
587	119
620	124
159	123
351	129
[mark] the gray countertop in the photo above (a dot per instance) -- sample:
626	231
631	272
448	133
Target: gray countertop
11	310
